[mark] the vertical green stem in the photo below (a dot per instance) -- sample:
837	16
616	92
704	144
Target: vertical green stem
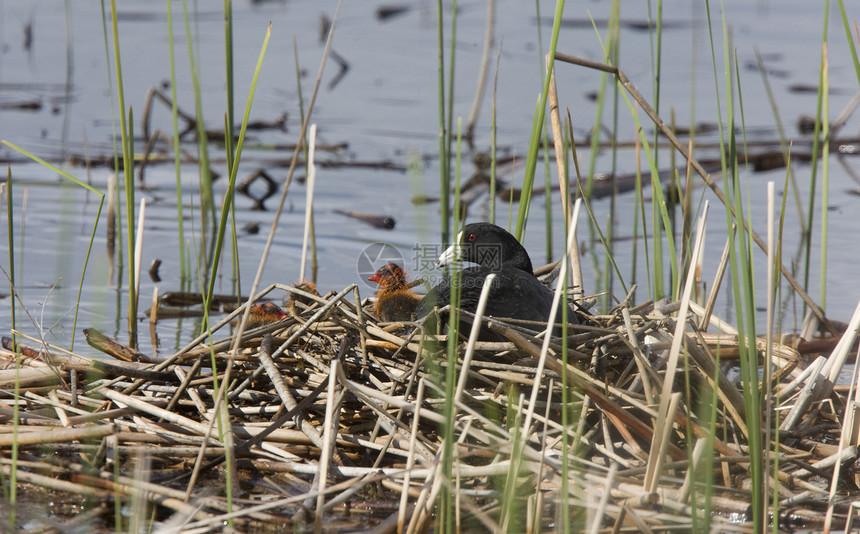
207	204
177	159
825	185
816	144
13	485
446	503
444	144
229	137
128	168
11	244
537	126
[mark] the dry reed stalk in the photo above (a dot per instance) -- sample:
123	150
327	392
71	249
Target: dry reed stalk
820	384
563	179
660	443
56	435
29	376
473	336
327	449
388	411
55	484
719	275
309	198
571	238
61	359
362	326
410	462
137	488
141	217
143	406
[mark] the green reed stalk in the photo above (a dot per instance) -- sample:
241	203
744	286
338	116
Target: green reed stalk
587	203
611	51
12	492
450	101
659	212
537	127
492	199
783	142
850	40
848	37
449	122
598	113
688	429
234	169
688	186
657	243
444	135
774	299
234	238
740	264
110	87
511	520
11	244
299	92
207	203
226	209
180	222
825	177
656	72
566	387
117	204
13	468
707	457
545	139
547	196
228	67
133	285
639	216
493	146
816	144
614	27
128	168
445	506
229	138
742	284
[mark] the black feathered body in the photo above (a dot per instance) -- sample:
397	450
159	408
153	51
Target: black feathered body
515	294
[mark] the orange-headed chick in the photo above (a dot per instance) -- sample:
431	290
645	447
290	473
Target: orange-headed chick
294	299
395	301
263	314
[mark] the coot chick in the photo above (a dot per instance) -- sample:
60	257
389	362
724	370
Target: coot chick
263	314
395	301
515	292
294	300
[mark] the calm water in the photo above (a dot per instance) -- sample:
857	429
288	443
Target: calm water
382	112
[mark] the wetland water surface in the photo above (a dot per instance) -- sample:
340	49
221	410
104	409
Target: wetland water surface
377	113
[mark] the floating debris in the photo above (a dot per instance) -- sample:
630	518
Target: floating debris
377	221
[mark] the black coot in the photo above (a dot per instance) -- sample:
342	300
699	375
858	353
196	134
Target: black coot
515	292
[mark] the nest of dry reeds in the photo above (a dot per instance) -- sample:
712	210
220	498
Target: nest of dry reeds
332	417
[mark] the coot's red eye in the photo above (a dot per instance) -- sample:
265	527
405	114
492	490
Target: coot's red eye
472	237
